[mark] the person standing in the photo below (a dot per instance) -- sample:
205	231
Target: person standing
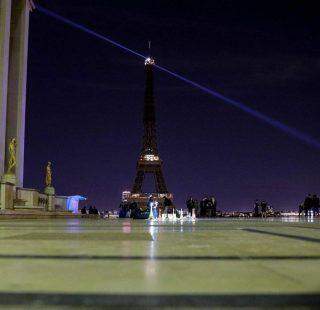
307	204
190	204
197	207
214	207
256	208
263	208
315	204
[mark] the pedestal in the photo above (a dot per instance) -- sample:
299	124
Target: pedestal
6	196
50	192
50	203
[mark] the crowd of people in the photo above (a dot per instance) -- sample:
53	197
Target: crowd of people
206	208
94	212
90	210
133	210
261	208
311	203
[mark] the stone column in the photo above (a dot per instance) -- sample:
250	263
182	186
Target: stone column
5	17
17	80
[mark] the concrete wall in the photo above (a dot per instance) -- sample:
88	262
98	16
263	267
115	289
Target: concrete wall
60	203
29	196
12	197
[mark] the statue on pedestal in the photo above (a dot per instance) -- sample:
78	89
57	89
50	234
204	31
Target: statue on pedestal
10	176
49	189
48	180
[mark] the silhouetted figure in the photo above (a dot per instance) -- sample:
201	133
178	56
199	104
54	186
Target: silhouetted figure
315	204
168	207
197	207
83	210
133	206
203	207
91	210
210	207
213	212
167	202
190	204
301	208
123	210
307	204
263	208
256	208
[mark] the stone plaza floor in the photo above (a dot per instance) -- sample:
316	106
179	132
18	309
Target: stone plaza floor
222	262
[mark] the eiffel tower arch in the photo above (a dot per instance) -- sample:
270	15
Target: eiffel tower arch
149	161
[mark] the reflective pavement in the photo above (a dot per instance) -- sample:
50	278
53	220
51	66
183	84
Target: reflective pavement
149	263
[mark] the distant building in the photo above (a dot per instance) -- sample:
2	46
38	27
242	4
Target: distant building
125	195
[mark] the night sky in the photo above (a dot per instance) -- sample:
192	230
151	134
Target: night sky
85	99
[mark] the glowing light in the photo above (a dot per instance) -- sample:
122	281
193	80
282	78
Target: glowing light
73	203
272	122
149	61
125	195
126	227
150	157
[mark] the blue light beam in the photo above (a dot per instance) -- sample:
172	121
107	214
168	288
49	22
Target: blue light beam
87	30
271	121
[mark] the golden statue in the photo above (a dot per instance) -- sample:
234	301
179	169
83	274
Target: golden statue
49	175
12	156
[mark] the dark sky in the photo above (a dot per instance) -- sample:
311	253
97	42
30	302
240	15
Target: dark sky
85	99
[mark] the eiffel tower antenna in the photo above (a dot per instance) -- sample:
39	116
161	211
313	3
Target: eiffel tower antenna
149	44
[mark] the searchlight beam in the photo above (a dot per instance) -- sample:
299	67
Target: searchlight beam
303	137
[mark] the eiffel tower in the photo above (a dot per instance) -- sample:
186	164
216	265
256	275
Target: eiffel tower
149	161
